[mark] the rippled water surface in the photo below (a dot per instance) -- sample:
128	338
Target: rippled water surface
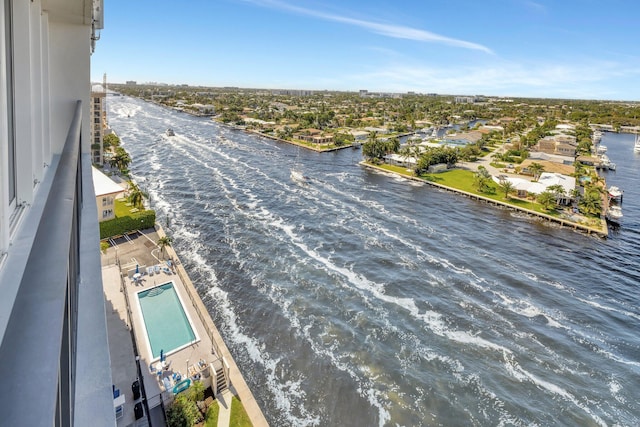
365	299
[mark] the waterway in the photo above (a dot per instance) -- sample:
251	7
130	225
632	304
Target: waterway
365	299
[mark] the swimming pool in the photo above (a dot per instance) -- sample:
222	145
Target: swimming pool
166	322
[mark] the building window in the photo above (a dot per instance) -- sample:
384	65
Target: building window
8	45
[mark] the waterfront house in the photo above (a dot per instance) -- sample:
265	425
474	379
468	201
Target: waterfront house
553	158
315	136
106	192
359	135
378	130
589	160
524	187
470	137
399	160
562	145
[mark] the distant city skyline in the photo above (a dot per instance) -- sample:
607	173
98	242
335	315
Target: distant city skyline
578	49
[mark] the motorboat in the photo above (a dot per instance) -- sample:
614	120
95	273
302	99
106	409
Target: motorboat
170	132
636	145
615	193
298	176
606	163
597	136
356	145
614	214
601	149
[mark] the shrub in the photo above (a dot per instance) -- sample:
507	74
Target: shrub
135	221
183	412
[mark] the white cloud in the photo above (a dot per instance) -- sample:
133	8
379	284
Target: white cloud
587	80
538	7
389	30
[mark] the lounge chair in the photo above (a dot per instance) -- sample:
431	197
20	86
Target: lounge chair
156	269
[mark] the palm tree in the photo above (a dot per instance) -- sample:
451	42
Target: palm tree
163	242
557	190
482	178
575	194
135	195
392	145
591	202
121	159
506	186
405	152
373	136
547	199
417	151
536	169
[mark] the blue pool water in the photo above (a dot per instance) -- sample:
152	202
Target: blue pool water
168	327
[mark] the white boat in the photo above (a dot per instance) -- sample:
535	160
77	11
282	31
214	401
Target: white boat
636	145
356	145
614	214
597	136
298	176
601	149
170	132
615	193
606	163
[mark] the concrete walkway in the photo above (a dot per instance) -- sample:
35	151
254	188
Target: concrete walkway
224	403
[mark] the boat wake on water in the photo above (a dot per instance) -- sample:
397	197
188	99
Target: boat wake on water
365	300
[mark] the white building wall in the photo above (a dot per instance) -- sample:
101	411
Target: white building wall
51	62
69	49
46	96
37	101
23	101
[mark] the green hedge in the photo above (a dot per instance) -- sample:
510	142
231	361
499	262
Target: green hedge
135	221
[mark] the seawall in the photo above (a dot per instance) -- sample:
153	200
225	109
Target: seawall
238	385
602	232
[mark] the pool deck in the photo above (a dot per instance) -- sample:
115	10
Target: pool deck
123	309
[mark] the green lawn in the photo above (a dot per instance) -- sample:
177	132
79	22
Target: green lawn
460	179
121	209
239	417
211	419
318	147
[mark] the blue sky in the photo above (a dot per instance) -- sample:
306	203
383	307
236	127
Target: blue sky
587	49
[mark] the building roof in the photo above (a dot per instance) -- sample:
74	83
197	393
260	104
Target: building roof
103	185
546	180
97	88
550	165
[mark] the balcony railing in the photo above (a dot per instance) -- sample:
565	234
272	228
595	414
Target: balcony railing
54	356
